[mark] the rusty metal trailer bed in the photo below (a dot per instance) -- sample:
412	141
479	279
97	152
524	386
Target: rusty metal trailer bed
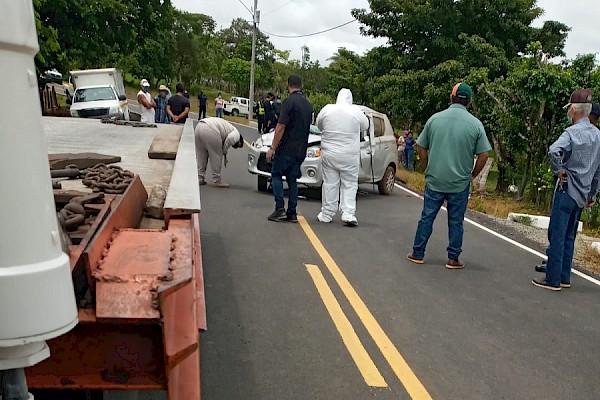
140	291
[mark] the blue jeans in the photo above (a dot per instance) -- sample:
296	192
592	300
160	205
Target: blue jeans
564	222
219	112
457	206
288	166
408	158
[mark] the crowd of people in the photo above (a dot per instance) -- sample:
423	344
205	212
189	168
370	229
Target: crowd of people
267	110
164	108
452	147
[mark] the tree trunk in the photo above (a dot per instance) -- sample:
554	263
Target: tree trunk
524	180
502	184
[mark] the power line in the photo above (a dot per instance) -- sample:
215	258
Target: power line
246	7
309	34
279	8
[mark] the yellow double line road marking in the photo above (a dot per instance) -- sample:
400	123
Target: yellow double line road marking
360	356
409	380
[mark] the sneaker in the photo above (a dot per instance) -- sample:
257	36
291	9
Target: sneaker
202	182
323	219
278	216
221	185
455	264
541	267
351	223
292	218
414	259
545	285
565	285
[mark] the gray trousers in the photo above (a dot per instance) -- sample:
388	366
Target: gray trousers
209	146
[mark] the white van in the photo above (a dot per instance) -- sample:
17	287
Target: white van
99	93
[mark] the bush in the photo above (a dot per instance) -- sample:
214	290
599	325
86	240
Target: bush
591	217
195	89
320	100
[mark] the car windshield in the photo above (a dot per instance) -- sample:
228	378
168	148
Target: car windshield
314	130
94	94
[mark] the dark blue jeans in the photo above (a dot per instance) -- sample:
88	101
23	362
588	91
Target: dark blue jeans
288	166
564	221
408	158
457	206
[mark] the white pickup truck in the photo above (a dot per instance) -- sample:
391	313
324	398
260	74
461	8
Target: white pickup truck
236	106
99	93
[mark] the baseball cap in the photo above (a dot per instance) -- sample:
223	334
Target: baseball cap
144	82
462	91
163	87
580	96
595	109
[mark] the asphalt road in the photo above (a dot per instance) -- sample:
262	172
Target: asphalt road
416	331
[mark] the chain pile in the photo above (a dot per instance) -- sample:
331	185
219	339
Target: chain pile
73	215
110	179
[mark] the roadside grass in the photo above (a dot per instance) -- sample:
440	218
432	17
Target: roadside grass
413	180
500	206
589	257
210	93
487	203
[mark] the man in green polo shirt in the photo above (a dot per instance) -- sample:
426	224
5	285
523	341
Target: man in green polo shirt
447	147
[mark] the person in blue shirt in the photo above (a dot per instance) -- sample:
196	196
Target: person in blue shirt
409	145
202	103
161	116
575	160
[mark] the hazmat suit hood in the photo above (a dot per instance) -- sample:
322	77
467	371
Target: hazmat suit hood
344	97
341	124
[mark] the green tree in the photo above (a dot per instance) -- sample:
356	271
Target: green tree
237	71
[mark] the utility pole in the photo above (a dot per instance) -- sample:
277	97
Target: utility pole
255	22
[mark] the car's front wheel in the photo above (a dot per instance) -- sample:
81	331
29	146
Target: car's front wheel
235	113
387	183
263	184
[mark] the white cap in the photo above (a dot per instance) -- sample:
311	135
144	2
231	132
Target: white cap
144	82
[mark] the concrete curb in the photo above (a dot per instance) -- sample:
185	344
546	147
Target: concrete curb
537	221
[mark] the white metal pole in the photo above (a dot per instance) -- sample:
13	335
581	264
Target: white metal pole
255	17
36	287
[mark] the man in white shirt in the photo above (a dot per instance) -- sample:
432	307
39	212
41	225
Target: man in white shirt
214	136
147	103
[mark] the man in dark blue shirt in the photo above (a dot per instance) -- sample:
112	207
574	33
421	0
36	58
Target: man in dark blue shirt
202	103
288	149
409	144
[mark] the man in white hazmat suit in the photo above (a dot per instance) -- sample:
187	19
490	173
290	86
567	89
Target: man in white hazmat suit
213	137
340	125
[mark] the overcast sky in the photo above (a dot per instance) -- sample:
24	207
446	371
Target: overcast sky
298	17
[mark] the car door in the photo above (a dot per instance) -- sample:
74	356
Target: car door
380	147
243	106
366	137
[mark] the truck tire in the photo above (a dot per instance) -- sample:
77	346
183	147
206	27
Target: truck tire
387	183
235	112
263	184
